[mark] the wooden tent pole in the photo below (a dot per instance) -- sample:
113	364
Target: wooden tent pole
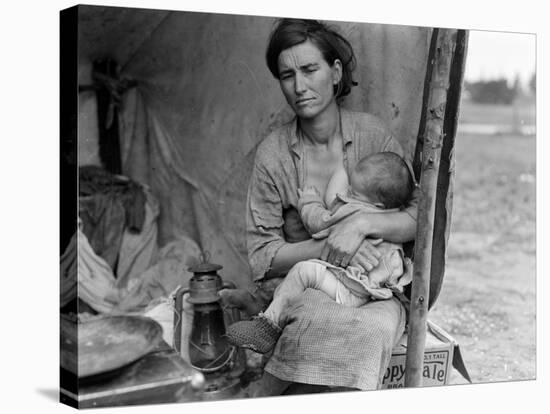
417	160
431	154
445	180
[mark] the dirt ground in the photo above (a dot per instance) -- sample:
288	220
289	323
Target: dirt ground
488	299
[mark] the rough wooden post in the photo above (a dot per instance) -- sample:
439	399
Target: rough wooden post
431	154
445	180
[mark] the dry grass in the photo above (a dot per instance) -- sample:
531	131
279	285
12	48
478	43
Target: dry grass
488	298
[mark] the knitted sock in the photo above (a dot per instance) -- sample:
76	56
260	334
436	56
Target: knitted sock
259	334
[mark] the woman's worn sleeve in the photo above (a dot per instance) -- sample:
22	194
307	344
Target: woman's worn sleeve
392	145
264	222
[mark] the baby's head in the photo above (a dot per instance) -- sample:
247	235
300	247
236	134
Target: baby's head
382	179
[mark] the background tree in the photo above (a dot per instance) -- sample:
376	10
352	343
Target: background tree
533	83
494	91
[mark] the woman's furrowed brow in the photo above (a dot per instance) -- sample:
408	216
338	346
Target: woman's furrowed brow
305	67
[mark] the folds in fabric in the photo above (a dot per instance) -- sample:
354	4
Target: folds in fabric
108	206
96	282
353	350
91	279
139	251
169	272
68	272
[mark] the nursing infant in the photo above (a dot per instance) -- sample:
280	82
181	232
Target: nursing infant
379	183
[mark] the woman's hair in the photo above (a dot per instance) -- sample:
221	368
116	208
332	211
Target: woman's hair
385	176
291	32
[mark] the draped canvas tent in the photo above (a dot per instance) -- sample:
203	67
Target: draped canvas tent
203	99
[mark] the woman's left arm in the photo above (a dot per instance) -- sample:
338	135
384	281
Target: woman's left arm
397	227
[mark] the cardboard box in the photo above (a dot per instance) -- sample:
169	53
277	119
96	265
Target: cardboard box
438	357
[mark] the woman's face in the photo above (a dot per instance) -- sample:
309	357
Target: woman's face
307	80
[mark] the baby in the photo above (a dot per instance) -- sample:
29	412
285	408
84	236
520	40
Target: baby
379	183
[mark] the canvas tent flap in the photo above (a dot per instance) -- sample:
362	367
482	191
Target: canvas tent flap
205	99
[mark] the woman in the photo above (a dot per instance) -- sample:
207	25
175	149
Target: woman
314	65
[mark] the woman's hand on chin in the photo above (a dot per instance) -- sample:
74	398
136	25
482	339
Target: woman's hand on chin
344	241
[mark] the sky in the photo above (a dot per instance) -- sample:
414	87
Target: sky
500	54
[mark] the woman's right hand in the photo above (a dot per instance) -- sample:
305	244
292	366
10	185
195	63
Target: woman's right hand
366	257
345	241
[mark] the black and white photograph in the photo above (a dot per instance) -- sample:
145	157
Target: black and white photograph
279	206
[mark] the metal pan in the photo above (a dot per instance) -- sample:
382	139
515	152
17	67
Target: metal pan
112	342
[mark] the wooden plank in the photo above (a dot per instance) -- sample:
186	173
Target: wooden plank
431	155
